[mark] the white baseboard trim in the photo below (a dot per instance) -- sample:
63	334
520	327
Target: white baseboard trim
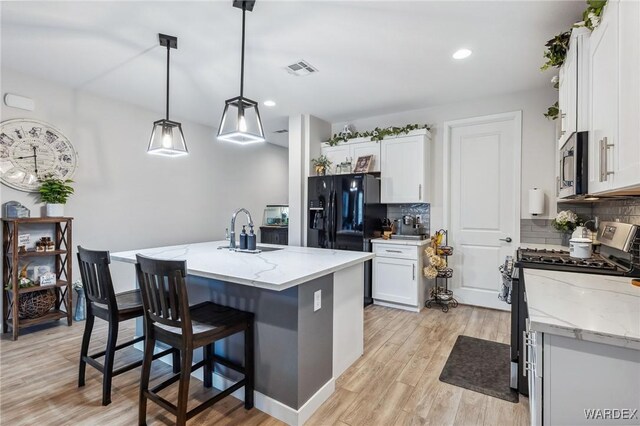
268	405
397	306
275	408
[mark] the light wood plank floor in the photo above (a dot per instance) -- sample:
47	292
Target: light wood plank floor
394	383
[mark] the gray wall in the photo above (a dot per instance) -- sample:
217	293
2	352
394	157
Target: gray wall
315	338
126	198
293	344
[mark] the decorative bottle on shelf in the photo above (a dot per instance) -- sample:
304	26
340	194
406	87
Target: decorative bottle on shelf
251	239
243	238
81	308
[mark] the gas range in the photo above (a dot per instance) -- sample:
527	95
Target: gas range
619	254
560	260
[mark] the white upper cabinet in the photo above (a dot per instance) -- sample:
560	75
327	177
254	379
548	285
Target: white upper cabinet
627	173
573	86
352	150
603	130
614	131
336	154
403	169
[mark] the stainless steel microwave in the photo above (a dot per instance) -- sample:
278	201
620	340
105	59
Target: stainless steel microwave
573	176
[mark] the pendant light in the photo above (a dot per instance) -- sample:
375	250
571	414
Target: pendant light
167	138
241	121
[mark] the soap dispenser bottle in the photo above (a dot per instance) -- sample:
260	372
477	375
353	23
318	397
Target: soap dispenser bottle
243	238
251	239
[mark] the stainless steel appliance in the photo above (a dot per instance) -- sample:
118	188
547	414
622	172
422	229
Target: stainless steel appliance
619	255
409	226
573	174
344	213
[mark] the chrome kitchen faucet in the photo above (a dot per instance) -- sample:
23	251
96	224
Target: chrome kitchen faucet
232	235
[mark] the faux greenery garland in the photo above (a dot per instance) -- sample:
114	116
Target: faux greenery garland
591	16
376	134
556	51
558	46
553	111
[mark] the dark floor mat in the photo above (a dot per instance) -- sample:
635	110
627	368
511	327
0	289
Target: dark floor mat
481	366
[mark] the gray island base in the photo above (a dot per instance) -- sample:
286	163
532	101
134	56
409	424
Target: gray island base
300	351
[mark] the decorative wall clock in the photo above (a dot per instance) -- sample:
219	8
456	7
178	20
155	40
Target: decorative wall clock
31	149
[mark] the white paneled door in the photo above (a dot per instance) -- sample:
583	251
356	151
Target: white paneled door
482	194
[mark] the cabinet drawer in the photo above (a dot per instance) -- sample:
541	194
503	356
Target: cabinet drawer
395	250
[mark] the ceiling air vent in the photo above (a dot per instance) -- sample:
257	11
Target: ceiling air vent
301	68
282	131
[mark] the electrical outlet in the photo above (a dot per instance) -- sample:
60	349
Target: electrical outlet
317	300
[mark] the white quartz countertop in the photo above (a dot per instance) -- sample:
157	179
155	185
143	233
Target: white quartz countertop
401	242
597	308
275	270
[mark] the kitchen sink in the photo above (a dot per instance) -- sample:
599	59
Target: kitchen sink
259	249
263	248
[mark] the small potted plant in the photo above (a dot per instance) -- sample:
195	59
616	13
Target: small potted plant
55	192
565	222
321	164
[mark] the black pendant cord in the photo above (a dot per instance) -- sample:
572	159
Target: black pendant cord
168	54
244	9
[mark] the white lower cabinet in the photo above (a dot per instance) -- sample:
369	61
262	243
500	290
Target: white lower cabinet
397	276
571	380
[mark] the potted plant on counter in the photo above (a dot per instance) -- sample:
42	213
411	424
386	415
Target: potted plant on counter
55	192
321	164
566	222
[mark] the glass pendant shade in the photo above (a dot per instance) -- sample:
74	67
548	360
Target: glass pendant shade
167	139
241	122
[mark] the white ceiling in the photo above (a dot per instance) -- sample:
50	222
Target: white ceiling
373	57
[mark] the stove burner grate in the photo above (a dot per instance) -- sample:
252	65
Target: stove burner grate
562	258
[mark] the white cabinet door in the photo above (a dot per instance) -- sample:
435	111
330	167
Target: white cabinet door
403	171
581	375
568	96
563	99
395	280
627	172
363	149
603	129
352	150
336	154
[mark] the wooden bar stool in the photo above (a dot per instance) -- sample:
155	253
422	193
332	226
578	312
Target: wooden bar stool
104	303
170	319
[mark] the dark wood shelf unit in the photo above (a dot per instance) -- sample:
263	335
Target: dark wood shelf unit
11	268
52	315
32	253
59	284
271	234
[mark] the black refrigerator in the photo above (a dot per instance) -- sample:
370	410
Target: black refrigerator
344	213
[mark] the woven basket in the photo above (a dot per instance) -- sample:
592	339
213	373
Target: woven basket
36	303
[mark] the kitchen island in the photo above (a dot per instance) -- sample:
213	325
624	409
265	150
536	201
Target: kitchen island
308	306
583	348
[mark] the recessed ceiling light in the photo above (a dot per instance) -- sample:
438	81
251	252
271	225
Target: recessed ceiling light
269	103
461	54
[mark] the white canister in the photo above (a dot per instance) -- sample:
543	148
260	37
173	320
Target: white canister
580	248
55	210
